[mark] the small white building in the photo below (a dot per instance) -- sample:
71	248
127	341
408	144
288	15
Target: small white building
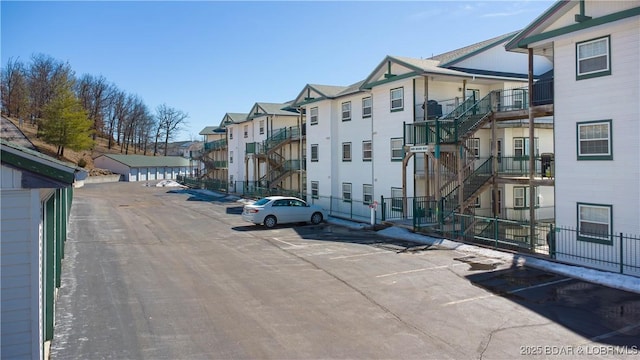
36	193
146	168
595	47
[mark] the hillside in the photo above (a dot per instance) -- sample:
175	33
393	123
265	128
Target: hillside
69	155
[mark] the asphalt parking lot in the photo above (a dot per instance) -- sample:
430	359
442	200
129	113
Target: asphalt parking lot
162	274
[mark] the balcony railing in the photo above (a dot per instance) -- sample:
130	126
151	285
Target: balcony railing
215	145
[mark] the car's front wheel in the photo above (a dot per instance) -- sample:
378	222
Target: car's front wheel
270	221
316	218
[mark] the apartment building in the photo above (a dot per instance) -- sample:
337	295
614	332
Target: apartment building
594	46
215	155
265	148
370	140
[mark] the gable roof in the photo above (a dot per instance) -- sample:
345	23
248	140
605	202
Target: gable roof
20	157
537	31
410	66
208	130
264	108
545	19
233	118
452	57
315	92
148	161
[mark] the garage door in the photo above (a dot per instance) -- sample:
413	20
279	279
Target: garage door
142	174
152	173
133	174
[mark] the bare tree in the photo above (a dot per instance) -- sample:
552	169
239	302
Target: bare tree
94	94
115	103
45	77
170	121
14	89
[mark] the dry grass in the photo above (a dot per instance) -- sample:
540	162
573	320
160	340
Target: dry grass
69	155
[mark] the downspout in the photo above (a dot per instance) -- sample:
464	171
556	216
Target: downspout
532	167
300	188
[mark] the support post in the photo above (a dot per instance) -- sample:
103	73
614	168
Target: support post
532	159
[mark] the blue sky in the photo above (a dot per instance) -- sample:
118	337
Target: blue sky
208	58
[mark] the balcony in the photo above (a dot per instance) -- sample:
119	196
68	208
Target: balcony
215	145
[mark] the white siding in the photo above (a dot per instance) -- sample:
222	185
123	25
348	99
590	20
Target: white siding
21	281
238	147
388	125
498	60
613	97
321	134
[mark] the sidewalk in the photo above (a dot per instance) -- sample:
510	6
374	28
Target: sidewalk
613	280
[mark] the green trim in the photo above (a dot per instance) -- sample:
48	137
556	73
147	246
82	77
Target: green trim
342	111
582	17
350	192
49	270
317	183
516	41
350	151
391	148
370	85
579	26
599	156
391	99
37	167
590	239
598	73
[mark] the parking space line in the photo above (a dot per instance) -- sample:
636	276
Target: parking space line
468	299
537	286
613	333
418	270
358	255
284	242
508	292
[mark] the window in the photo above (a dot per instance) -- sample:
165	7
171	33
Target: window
592	58
397	153
230	157
477	204
521	146
367	194
230	133
367	104
346	192
521	197
246	131
313	115
261	127
396	199
397	99
367	150
346	111
346	151
474	145
314	189
594	223
314	152
594	140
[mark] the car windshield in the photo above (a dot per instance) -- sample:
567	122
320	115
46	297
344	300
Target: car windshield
261	201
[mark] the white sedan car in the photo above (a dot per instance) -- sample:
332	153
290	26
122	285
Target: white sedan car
274	210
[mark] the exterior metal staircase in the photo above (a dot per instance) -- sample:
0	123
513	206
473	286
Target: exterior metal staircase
446	138
279	168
